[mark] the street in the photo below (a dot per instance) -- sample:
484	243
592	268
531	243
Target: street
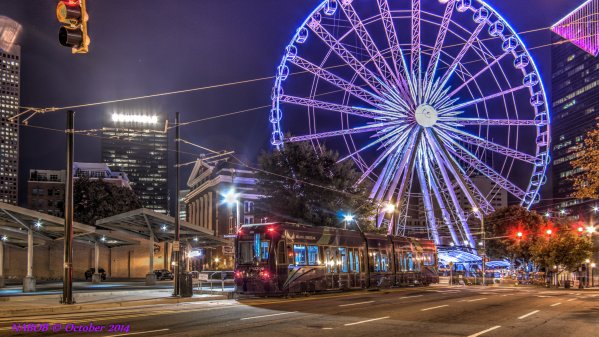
431	311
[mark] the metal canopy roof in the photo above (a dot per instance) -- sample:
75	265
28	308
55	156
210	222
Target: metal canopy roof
16	221
457	256
144	223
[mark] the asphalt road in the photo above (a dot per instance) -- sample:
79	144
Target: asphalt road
431	311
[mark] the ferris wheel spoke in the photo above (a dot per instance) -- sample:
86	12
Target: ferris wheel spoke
444	213
463	51
394	136
365	74
428	204
473	161
346	132
434	61
456	121
481	99
337	81
488	145
397	146
469	189
405	166
442	164
344	109
397	56
475	76
373	51
416	47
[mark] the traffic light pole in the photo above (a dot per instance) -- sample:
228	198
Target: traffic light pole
67	280
177	247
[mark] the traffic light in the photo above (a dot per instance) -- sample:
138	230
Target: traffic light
73	15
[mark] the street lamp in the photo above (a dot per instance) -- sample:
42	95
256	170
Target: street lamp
591	229
588	272
233	198
593	265
348	218
477	211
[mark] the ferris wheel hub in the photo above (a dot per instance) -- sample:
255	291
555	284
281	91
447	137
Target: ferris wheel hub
426	115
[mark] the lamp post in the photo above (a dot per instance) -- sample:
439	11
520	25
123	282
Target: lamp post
587	272
483	238
233	198
593	265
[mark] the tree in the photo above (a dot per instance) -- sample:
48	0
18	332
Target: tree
97	199
503	226
565	250
301	185
586	183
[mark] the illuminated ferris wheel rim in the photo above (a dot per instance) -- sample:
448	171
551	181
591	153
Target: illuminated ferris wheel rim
413	105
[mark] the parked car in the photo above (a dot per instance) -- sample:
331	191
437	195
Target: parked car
164	274
91	271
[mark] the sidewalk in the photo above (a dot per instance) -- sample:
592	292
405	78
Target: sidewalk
37	304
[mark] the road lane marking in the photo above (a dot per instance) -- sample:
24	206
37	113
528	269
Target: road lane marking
437	307
410	296
530	313
485	331
570	300
504	295
262	316
478	299
543	296
366	321
138	333
347	305
556	304
327	328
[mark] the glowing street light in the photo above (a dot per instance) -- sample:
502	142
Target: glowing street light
595	209
519	234
562	212
389	208
549	231
348	218
4	238
38	224
591	229
233	198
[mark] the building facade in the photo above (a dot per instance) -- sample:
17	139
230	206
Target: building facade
46	188
10	68
219	195
137	145
575	95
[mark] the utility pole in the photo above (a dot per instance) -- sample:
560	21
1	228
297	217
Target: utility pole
482	226
67	278
177	243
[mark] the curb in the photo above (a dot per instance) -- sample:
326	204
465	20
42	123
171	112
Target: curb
134	303
29	297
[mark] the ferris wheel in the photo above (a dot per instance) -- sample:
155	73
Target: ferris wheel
438	102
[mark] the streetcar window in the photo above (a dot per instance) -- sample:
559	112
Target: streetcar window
429	259
351	260
313	255
343	260
245	252
384	262
358	259
264	250
281	256
328	261
300	254
377	261
410	262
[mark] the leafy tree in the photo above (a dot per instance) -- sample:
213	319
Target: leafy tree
586	183
302	185
97	199
564	250
502	227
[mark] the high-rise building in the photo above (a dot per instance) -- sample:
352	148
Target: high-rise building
137	145
10	67
575	95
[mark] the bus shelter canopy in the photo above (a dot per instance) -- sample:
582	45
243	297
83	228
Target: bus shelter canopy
147	224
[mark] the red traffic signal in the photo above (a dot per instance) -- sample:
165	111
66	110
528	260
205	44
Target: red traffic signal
73	15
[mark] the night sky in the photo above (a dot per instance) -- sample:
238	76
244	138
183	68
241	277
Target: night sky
142	47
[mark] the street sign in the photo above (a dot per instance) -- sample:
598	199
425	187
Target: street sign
202	277
230	236
176	246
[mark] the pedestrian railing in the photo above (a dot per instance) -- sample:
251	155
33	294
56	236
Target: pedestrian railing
218	278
